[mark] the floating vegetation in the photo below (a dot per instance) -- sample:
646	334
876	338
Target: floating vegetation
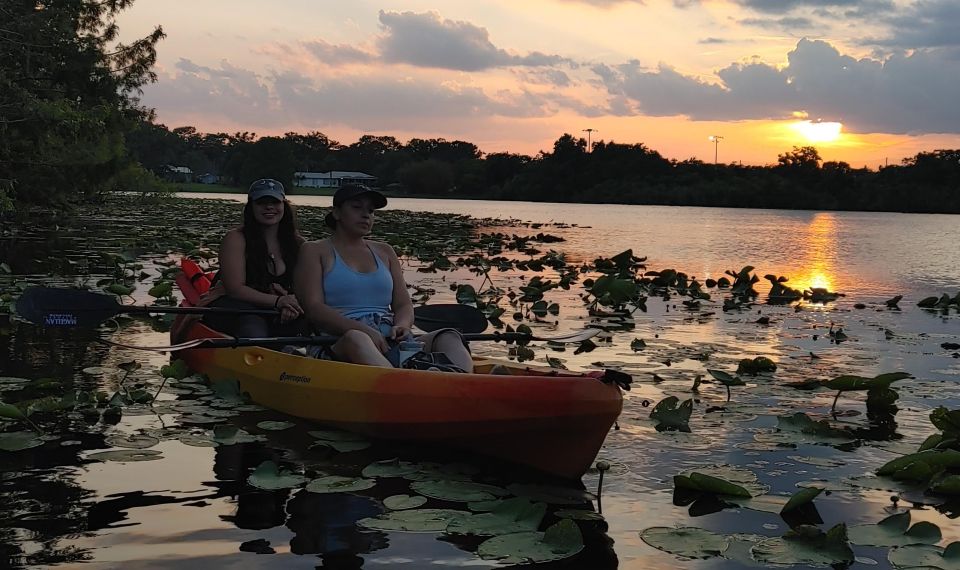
671	414
269	477
559	541
457	491
686	542
403	502
126	455
880	396
806	545
895	530
339	484
414	520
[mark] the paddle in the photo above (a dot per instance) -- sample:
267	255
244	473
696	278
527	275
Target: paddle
464	318
326	340
77	308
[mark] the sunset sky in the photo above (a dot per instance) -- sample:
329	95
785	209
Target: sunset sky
865	81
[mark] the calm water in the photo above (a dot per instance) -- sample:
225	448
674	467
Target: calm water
193	508
868	254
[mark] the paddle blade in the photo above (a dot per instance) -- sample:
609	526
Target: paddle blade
464	318
65	307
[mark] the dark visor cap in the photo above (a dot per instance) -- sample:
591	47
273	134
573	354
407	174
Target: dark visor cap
351	191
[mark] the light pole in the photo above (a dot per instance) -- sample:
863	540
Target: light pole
589	131
716	146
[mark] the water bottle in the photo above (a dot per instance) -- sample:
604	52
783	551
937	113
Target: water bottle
408	348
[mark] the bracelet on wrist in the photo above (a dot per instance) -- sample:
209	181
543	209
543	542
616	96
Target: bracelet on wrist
276	303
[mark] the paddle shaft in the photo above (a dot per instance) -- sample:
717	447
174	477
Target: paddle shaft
140	310
327	340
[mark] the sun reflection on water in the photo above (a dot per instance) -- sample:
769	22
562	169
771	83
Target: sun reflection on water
817	260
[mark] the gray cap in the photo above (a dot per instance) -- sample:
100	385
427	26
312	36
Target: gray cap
266	187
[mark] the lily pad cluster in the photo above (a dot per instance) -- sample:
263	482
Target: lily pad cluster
936	464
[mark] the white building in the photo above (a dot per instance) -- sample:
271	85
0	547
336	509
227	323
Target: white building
332	179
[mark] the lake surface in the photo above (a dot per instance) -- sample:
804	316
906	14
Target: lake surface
869	254
193	507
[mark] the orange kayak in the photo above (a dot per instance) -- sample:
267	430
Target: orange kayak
553	421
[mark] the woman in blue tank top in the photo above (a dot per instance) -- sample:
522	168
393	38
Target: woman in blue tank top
353	287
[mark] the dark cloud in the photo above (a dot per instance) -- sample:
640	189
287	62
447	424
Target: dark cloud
338	54
427	40
925	23
227	89
784	6
913	93
548	76
711	41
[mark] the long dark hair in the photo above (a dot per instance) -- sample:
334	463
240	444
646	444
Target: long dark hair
256	255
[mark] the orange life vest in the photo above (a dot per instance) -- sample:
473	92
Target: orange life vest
201	281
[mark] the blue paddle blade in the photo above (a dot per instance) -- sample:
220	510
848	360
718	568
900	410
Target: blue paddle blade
464	318
65	307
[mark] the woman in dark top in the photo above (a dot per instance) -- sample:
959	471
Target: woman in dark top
257	261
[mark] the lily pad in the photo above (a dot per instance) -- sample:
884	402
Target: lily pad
517	514
926	556
415	520
806	545
338	484
670	413
125	455
404	502
177	369
231	435
132	441
800	498
460	491
275	425
688	542
552	495
895	530
738	476
11	412
709	484
269	477
19	440
389	468
562	540
197	440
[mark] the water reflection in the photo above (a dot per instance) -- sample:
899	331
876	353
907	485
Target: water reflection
818	256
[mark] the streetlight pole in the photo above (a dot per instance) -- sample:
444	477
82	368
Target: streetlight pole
716	146
589	146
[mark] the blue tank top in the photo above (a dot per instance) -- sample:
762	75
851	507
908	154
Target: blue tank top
356	294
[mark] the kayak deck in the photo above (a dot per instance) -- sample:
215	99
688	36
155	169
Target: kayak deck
551	420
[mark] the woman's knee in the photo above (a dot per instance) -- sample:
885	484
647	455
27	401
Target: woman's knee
446	340
354	339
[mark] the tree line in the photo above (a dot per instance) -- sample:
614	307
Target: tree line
610	172
72	127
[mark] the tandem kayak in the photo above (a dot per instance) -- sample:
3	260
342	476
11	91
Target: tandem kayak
553	421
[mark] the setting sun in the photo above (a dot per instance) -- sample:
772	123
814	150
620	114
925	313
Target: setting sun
817	132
